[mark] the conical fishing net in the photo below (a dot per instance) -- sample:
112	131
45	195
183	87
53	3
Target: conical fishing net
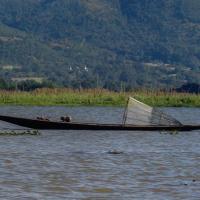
138	113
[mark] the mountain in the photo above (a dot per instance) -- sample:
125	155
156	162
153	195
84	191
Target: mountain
107	43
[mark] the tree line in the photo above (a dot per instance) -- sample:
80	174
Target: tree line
30	85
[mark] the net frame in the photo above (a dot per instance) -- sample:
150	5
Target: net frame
138	113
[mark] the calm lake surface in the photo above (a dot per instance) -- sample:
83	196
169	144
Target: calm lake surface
78	165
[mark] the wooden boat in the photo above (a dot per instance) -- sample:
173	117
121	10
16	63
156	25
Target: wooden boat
53	125
137	117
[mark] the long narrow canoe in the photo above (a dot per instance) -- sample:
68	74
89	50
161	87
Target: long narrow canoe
53	125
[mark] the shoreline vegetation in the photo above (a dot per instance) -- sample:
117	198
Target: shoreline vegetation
96	97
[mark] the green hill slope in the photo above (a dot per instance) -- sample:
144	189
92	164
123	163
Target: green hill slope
107	43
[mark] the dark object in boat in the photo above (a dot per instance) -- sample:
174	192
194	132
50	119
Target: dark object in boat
42	119
53	125
66	119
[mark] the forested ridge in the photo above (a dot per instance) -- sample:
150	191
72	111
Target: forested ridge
101	43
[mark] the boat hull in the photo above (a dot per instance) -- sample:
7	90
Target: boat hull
52	125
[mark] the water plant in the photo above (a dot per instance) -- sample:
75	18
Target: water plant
12	132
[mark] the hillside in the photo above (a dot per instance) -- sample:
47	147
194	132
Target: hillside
107	43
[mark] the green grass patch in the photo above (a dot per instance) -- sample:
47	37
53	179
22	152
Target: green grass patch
96	97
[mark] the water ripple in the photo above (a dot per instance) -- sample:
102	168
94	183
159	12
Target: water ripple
99	164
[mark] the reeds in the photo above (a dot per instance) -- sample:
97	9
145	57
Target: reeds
96	97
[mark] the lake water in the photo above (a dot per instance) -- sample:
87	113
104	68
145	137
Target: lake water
78	165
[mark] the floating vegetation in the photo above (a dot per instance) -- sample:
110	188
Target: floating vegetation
175	132
10	132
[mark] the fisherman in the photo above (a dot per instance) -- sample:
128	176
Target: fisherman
66	118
